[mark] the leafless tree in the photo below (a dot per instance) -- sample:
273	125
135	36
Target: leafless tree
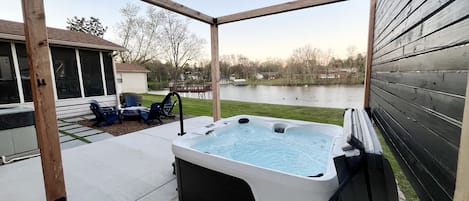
140	35
351	51
180	46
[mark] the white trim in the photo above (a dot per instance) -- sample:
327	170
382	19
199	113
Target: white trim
80	76
17	72
52	72
102	72
117	93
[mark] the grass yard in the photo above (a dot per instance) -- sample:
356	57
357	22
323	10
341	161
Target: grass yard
199	107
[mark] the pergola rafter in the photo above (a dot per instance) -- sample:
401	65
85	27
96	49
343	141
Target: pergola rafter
181	9
275	9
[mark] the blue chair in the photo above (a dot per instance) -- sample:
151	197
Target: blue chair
167	106
130	101
103	117
152	114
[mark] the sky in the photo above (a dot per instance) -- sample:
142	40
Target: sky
330	27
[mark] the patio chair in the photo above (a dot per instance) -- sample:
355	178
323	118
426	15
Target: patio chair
105	109
130	101
152	114
167	106
104	117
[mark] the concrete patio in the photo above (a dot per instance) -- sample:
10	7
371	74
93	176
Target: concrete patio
135	166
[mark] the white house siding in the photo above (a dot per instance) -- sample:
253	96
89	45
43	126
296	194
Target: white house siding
132	82
73	107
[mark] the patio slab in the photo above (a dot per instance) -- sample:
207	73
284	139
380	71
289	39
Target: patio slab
132	167
71	144
99	137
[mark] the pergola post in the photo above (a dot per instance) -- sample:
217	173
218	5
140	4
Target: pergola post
369	55
37	46
461	192
215	73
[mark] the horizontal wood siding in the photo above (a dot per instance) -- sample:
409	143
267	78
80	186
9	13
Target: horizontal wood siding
418	83
80	106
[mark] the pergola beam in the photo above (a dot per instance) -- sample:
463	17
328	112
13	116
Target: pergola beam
181	9
369	55
461	192
270	10
216	105
37	47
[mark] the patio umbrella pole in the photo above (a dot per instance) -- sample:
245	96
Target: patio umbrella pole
181	118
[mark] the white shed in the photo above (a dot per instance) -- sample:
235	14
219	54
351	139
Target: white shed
131	78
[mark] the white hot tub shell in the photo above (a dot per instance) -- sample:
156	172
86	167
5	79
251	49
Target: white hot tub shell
263	183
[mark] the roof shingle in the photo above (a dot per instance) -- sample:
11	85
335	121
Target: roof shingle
15	31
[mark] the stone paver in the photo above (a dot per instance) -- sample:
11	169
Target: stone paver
65	128
89	117
88	133
79	129
73	120
66	138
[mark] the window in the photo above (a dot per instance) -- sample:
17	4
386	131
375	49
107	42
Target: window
24	71
91	73
66	72
109	73
8	85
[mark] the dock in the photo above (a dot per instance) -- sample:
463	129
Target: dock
191	88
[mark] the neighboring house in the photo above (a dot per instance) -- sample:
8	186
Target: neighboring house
131	78
82	66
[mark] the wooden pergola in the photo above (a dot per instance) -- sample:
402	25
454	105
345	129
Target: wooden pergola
43	94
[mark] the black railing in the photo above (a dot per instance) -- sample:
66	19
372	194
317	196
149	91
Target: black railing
181	117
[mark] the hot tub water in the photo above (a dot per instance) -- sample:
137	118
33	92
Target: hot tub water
298	150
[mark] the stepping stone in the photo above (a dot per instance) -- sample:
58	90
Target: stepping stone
72	120
77	130
88	133
65	128
66	138
71	144
60	124
61	134
99	137
89	117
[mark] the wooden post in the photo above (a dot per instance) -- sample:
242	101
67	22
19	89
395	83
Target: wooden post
37	46
216	109
461	192
369	55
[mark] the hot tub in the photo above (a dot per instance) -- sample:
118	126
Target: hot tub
259	158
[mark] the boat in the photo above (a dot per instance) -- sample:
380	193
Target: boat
239	82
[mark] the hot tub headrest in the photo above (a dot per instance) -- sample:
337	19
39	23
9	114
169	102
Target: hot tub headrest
243	121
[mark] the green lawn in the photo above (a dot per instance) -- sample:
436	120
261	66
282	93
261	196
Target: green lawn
199	107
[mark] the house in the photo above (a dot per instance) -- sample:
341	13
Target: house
131	78
81	64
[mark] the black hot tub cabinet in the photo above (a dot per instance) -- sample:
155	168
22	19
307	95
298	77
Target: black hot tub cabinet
356	168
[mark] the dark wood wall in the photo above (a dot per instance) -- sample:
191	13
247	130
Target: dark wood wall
418	83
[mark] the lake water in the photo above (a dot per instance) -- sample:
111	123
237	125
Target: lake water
333	96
